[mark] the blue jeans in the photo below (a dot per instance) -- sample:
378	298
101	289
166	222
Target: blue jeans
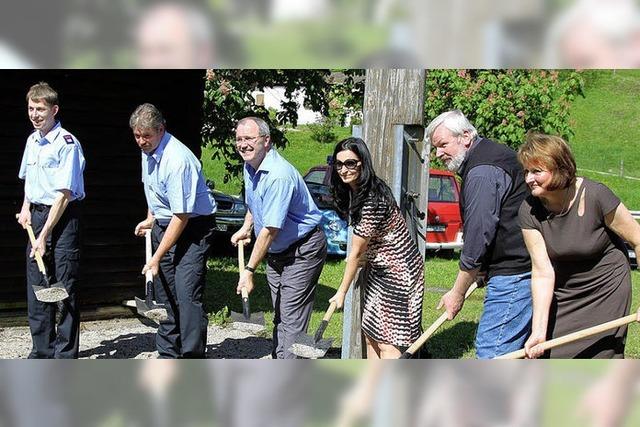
505	324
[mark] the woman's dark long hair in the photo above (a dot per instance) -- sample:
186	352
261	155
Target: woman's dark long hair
368	184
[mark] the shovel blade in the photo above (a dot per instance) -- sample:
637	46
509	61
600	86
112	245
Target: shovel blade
307	347
153	311
53	293
252	324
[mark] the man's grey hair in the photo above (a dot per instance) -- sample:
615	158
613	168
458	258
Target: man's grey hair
263	127
146	116
455	121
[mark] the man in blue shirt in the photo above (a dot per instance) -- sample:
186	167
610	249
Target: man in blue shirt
180	216
52	167
285	219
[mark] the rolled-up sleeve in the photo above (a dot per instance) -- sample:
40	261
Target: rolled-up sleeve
181	189
275	205
68	174
484	192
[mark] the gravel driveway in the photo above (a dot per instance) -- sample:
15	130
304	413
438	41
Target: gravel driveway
131	339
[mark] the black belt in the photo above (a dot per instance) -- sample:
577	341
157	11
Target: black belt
38	207
164	223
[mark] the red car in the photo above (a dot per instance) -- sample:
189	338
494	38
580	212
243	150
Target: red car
444	222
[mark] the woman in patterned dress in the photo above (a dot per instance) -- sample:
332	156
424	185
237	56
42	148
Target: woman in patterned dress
392	313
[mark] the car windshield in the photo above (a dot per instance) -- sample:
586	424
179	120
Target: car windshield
442	189
321	195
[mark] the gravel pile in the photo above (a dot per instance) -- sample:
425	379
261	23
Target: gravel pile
132	339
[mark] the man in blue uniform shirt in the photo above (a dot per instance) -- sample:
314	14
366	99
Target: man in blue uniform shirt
286	220
180	216
52	167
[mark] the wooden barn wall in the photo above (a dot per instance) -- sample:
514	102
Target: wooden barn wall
95	106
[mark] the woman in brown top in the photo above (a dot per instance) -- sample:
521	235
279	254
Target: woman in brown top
573	228
392	311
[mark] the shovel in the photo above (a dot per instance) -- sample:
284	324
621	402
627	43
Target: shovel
148	307
575	336
408	354
246	321
314	347
51	292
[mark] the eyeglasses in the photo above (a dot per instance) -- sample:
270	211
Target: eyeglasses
350	164
250	139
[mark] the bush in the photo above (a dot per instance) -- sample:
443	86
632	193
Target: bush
324	131
505	104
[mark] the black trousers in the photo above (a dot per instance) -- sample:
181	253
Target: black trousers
62	260
180	287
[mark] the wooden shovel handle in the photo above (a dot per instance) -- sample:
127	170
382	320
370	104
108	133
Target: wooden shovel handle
241	256
148	254
243	290
329	313
443	318
32	239
575	336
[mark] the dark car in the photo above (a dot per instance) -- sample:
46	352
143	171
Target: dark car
230	213
335	228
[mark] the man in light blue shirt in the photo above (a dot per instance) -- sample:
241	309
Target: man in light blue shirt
180	216
285	220
52	167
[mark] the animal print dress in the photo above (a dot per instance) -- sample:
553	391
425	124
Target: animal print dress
394	290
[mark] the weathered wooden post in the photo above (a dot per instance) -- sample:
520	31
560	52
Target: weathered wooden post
393	131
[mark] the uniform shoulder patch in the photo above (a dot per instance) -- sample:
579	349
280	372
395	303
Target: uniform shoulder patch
68	139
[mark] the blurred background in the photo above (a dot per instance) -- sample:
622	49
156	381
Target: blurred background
322	393
320	33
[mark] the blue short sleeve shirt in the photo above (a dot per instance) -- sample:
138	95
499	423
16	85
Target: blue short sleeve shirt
52	163
278	197
174	183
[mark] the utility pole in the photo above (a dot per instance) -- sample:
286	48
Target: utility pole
393	129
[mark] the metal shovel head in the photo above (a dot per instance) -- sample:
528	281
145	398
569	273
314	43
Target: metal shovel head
307	347
155	312
53	293
252	324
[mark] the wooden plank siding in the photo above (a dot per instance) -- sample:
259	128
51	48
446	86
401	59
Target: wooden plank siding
95	106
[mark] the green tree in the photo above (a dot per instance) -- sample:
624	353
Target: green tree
505	104
228	98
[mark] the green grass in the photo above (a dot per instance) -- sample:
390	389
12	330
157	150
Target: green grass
222	278
607	131
455	338
302	152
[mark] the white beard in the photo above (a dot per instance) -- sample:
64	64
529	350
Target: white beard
455	163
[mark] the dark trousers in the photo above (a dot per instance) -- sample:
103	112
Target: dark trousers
62	261
293	276
181	289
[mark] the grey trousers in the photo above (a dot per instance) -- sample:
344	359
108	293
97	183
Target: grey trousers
293	276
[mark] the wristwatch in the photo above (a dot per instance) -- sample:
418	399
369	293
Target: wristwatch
251	269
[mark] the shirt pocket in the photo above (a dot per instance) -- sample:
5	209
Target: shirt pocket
48	161
157	187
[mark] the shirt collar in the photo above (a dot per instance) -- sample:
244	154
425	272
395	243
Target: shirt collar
157	153
266	165
50	136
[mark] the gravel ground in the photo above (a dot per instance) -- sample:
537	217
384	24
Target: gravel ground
132	339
